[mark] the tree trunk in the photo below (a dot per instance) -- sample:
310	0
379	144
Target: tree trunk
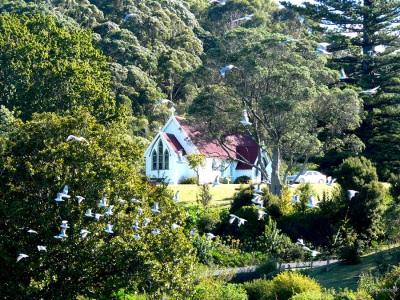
276	185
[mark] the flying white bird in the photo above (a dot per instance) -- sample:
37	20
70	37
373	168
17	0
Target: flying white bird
32	231
314	253
261	214
62	234
227	68
41	248
216	181
370	91
342	74
134	200
136	225
193	231
241	221
174	226
322	49
161	102
176	197
109	228
146	222
97	216
305	248
155	208
109	211
140	211
245	121
133	15
103	201
352	193
77	138
289	41
245	18
296	198
64	224
181	157
21	256
136	236
80	198
155	231
209	236
312	202
300	242
258	189
89	213
232	218
220	2
330	181
122	201
84	233
59	198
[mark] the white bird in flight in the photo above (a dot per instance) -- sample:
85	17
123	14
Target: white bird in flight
155	208
77	138
155	231
121	201
245	18
314	253
306	248
245	121
174	226
330	181
136	236
352	193
193	231
64	224
80	198
312	202
216	181
109	211
89	213
84	233
181	157
41	248
176	197
258	189
109	228
136	225
146	222
97	216
370	91
134	200
140	211
161	102
322	49
296	198
289	41
103	201
241	221
62	234
261	214
210	236
32	231
227	68
300	242
21	256
342	74
133	15
232	218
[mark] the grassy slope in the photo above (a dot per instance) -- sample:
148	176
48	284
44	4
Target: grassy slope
341	276
222	194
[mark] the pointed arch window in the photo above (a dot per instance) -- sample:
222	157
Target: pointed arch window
160	155
166	159
154	160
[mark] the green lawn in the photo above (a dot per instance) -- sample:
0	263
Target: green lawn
223	194
341	276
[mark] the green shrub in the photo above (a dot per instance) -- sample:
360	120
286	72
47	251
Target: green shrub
267	267
208	220
242	180
189	180
259	289
349	255
204	249
219	290
312	295
204	196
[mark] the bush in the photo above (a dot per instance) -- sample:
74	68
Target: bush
218	290
208	221
204	196
349	255
242	180
267	267
259	289
189	180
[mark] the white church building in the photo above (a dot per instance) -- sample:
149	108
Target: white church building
180	134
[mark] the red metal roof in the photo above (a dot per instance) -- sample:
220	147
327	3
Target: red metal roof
238	146
173	142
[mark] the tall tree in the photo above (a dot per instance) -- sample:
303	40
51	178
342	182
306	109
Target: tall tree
293	114
45	67
37	163
364	41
